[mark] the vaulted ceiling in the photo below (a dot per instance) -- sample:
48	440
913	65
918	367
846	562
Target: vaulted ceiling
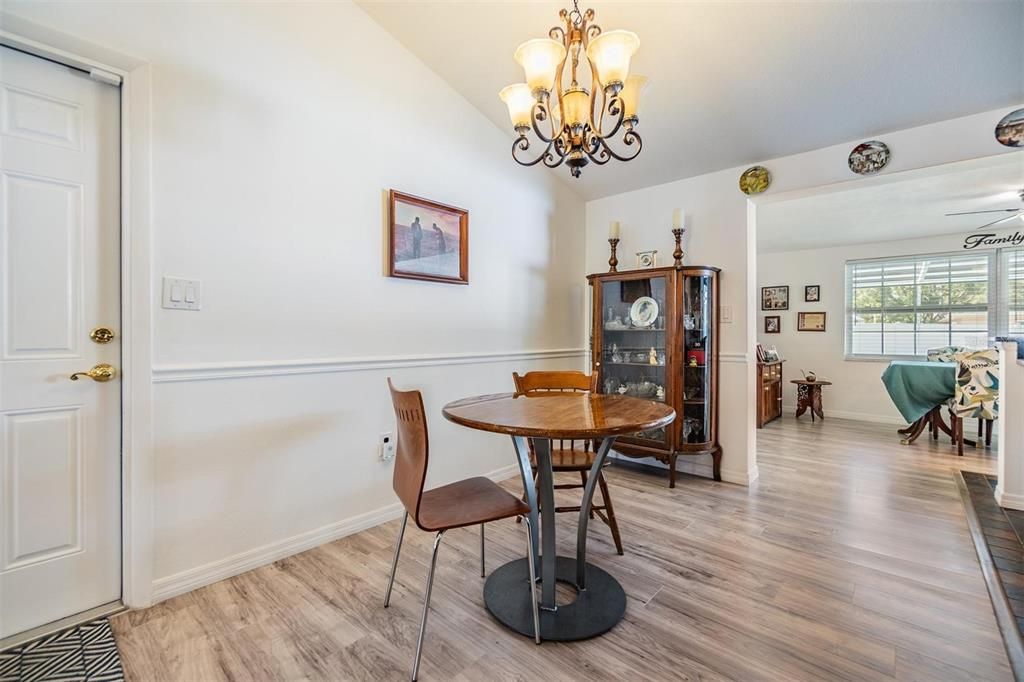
738	82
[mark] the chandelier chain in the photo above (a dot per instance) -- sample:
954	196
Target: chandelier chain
575	15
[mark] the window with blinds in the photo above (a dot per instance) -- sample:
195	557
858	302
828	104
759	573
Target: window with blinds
904	306
1012	267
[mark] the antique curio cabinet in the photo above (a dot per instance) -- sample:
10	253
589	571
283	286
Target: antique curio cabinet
655	336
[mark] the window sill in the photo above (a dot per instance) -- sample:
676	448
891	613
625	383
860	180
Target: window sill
882	358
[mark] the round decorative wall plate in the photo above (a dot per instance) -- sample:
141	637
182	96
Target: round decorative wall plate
643	312
869	157
755	180
1010	129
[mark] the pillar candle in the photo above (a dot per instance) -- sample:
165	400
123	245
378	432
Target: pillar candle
613	230
678	217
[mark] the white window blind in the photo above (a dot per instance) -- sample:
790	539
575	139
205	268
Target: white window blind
1011	304
904	306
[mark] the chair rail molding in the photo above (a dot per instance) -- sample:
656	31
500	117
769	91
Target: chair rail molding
208	371
736	358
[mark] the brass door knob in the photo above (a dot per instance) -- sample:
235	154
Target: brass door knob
101	372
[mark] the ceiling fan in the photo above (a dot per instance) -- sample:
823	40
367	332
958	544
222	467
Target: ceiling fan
1013	213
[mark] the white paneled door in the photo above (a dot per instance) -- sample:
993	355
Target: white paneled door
60	440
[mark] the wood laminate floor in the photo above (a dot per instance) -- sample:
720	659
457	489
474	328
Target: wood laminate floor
848	559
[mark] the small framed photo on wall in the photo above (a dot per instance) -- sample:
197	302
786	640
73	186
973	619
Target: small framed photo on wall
812	293
772	324
775	298
810	322
427	240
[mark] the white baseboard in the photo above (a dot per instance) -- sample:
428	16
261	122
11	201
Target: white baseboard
1008	500
200	576
853	416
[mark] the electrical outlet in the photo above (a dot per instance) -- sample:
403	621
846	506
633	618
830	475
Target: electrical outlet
386	446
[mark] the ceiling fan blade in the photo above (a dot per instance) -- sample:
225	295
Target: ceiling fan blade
996	222
994	210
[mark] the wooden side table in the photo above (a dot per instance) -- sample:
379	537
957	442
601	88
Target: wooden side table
808	397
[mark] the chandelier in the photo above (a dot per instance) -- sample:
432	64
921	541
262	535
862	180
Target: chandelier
575	124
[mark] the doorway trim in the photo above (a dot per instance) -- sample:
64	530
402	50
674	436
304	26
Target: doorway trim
137	483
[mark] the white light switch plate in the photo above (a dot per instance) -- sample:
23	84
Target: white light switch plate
182	294
726	314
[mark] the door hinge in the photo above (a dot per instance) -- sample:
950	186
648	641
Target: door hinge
105	77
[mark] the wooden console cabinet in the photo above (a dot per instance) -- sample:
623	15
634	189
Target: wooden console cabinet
655	336
769	391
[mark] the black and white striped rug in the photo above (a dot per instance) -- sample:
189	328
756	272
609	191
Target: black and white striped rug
83	653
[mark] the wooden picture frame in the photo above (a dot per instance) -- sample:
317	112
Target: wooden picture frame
775	298
769	327
810	322
812	293
416	251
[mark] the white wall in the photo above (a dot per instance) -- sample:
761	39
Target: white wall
722	232
277	130
857	391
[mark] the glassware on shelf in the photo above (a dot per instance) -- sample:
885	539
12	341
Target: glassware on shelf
634	344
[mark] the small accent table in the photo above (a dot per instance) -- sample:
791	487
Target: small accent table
808	397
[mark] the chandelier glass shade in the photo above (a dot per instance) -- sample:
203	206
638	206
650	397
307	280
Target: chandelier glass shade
574	124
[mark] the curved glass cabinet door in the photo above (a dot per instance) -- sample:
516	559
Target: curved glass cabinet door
698	343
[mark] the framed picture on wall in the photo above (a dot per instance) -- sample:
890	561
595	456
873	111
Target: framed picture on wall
775	298
812	293
772	324
427	240
810	322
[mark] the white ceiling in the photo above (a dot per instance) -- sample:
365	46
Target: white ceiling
902	206
740	82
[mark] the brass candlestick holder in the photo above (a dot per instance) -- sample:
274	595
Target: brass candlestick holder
613	261
678	254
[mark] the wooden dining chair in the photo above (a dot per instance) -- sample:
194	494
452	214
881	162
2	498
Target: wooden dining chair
464	503
567	456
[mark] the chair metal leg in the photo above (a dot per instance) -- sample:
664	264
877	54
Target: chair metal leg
394	560
533	581
426	606
483	565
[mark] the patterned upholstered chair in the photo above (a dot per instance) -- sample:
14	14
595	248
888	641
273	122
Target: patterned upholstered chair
944	353
976	395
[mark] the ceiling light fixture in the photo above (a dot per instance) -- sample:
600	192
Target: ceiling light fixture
564	120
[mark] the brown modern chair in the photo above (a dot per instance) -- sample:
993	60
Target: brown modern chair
568	456
456	505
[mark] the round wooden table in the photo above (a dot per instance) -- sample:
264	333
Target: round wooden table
600	602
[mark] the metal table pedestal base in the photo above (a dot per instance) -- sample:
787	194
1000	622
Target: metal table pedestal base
596	610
